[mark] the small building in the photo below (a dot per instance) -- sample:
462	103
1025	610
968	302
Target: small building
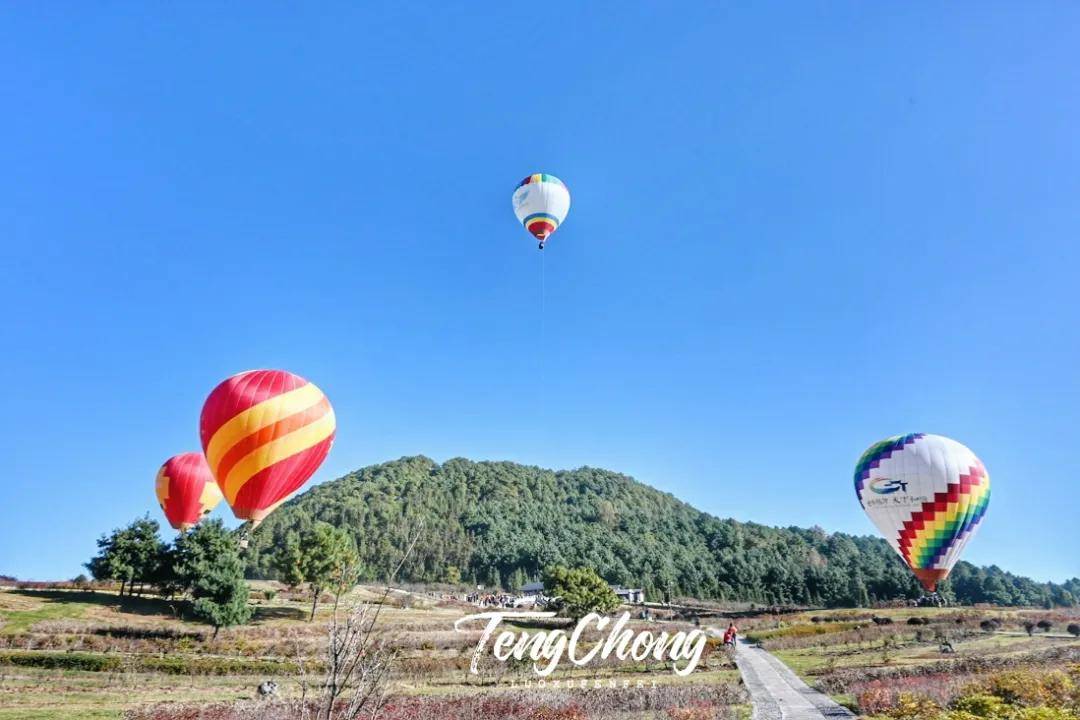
532	589
630	596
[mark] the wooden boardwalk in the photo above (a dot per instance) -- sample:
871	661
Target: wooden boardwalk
779	694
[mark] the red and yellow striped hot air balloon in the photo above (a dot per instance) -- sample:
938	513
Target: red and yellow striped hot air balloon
265	432
186	490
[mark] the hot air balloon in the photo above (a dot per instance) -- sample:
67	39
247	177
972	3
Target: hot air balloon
927	495
264	432
541	203
186	490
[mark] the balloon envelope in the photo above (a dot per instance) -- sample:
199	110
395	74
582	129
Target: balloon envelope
265	432
541	202
186	490
927	495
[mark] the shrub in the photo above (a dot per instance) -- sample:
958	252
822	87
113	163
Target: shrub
63	661
1044	625
798	631
875	700
1074	629
876	697
139	633
569	712
180	665
168	664
697	711
667	701
989	625
1030	688
917	621
1043	713
269	594
981	705
915	707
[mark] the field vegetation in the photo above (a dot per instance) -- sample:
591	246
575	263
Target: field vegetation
77	653
934	663
182	630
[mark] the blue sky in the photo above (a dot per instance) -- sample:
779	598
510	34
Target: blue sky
796	230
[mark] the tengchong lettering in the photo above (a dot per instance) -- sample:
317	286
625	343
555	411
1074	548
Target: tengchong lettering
546	648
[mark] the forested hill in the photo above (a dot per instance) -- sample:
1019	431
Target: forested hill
500	523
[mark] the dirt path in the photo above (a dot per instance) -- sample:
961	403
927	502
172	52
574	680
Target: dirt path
778	693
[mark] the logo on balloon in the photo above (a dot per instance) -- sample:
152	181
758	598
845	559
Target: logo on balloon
885	486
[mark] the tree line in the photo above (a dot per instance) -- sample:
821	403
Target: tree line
204	567
502	524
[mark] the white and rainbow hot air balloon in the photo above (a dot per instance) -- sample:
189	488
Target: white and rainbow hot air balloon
541	202
927	495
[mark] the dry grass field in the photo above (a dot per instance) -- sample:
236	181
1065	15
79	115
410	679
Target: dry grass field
81	654
925	663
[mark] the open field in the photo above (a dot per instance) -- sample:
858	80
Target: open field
875	666
80	654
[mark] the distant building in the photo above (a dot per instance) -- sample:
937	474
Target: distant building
532	589
630	596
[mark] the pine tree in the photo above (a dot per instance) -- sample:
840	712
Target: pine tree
209	567
579	592
132	554
517	579
322	557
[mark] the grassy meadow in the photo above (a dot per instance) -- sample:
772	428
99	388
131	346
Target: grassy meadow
90	654
927	663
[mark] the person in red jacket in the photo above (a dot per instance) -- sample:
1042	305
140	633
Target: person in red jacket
731	634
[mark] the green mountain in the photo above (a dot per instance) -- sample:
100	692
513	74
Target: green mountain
500	523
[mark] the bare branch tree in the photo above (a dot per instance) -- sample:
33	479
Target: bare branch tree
358	658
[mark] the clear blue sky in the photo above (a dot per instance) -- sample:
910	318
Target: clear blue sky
795	231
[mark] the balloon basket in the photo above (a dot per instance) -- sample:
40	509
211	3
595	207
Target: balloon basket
931	600
243	535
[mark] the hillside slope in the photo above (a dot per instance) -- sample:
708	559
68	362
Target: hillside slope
500	523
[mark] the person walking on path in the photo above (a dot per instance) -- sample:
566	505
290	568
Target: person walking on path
731	634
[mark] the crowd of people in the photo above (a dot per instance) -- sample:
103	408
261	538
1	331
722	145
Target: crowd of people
509	600
493	600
